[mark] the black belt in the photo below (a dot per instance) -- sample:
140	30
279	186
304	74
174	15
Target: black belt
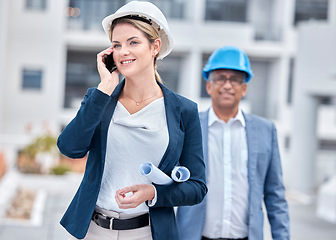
205	238
120	224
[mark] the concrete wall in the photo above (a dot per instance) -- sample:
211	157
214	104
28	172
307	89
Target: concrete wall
315	76
35	40
3	54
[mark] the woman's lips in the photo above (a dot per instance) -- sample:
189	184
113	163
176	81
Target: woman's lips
127	61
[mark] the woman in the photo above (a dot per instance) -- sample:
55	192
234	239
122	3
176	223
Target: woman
122	125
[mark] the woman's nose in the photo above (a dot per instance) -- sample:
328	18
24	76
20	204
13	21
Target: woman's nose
124	51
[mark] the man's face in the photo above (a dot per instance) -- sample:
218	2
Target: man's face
226	88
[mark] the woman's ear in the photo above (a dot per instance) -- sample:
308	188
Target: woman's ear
156	46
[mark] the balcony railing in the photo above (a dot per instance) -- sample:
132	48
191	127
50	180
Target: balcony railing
88	14
268	33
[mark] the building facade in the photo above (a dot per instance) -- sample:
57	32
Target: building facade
48	60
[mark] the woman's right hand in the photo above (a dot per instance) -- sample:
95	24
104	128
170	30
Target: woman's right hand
140	194
108	81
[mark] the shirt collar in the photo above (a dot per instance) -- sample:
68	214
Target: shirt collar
213	117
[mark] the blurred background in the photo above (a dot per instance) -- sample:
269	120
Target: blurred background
48	60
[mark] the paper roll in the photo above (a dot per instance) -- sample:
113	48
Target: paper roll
180	174
154	174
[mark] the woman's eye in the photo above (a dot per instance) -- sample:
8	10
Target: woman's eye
116	45
133	42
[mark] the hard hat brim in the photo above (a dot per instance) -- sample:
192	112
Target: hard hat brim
206	72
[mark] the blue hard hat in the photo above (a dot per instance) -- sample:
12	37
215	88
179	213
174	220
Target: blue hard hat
228	58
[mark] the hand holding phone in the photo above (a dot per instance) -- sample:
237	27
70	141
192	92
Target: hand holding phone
109	62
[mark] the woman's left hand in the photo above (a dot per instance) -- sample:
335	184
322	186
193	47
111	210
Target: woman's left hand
141	193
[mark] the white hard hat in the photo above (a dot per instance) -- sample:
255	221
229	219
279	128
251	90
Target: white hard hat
149	12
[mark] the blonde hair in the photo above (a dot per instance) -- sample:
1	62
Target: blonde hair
146	29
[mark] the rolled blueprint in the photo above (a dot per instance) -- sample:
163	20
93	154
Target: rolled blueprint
155	175
180	174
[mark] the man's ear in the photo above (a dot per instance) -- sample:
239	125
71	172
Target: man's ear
244	89
208	87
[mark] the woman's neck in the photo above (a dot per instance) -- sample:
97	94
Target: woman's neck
140	88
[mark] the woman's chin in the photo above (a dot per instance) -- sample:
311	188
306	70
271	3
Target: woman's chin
128	73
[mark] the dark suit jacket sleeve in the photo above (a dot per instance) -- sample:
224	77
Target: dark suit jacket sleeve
75	139
192	191
274	194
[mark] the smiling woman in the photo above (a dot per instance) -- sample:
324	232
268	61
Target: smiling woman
135	50
125	124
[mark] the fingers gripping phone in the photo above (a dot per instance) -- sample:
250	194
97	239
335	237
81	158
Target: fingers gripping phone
109	62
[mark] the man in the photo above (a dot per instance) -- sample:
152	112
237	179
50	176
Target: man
242	158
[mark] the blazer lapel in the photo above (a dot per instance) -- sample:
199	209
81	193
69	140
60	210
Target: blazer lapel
204	120
252	146
173	116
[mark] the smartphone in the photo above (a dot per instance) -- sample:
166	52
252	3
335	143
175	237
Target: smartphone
109	62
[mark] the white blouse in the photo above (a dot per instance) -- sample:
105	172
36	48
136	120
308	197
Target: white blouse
132	139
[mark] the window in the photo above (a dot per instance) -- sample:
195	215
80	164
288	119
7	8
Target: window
287	142
328	100
290	81
204	93
81	74
226	10
327	145
36	4
88	14
32	79
171	8
310	9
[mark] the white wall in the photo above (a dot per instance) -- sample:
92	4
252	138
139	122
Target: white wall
35	41
315	77
3	54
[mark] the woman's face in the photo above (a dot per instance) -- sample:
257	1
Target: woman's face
132	52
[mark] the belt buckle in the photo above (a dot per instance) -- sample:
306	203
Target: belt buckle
111	222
